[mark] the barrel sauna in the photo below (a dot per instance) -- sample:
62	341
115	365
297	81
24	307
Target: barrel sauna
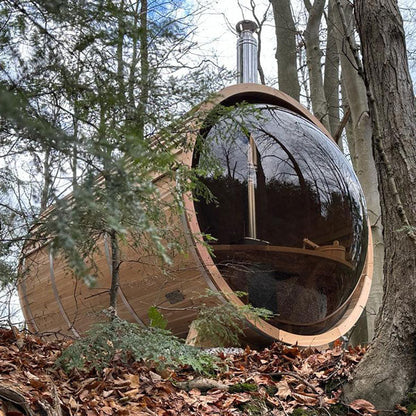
289	224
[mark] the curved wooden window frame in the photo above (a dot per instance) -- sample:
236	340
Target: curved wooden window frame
260	94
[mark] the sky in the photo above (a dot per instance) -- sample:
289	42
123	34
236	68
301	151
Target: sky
216	34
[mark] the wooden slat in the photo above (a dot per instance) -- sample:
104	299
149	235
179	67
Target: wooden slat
27	311
57	298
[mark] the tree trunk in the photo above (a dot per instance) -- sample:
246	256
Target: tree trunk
331	74
361	153
115	268
314	55
144	68
286	48
131	86
120	63
388	369
47	180
260	24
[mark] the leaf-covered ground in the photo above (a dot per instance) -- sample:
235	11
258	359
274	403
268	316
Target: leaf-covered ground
279	380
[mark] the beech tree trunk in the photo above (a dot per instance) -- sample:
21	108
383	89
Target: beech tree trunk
388	369
359	141
286	48
313	57
331	74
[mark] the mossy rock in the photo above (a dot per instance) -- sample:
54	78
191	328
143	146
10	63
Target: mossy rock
243	387
256	407
271	390
334	410
305	412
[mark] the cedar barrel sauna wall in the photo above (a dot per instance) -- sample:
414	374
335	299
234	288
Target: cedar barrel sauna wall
54	301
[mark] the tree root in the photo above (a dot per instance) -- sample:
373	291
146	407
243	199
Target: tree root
203	384
12	397
17	399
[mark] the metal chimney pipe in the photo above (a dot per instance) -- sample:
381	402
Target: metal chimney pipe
247	72
246	52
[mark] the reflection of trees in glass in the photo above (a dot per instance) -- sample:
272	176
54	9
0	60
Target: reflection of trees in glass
303	186
225	218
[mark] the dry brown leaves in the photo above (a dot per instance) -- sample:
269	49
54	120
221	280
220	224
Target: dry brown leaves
285	378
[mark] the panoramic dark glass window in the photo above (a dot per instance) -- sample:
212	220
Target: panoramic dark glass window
288	216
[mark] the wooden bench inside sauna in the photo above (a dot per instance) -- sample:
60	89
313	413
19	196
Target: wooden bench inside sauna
289	226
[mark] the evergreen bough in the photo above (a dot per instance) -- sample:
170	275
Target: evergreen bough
155	346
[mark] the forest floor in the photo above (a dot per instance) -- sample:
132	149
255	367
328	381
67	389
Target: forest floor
279	380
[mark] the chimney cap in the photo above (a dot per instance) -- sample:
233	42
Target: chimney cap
244	25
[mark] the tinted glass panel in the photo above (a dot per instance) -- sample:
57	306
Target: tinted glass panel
288	217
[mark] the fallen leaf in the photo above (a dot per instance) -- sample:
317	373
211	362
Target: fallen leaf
166	373
107	393
353	358
73	403
120	383
363	405
132	392
133	379
306	400
283	389
227	403
83	395
328	401
107	410
155	377
305	370
401	408
38	384
93	403
147	401
242	397
291	352
337	352
89	383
